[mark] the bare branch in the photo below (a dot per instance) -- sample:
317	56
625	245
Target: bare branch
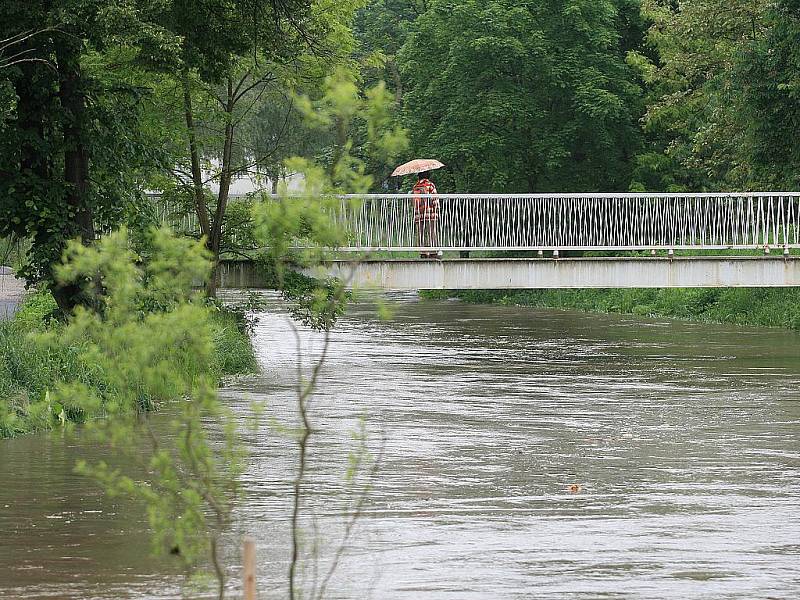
22	37
247	110
266	78
304	396
351	522
241	83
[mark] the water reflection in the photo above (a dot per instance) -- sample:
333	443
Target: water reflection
682	438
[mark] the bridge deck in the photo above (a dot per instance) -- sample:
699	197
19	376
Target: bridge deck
522	273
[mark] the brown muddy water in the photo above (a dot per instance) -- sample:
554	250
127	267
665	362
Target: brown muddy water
684	440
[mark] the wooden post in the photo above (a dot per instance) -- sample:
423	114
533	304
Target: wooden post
249	557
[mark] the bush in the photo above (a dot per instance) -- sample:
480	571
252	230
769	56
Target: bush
151	331
233	350
28	369
36	310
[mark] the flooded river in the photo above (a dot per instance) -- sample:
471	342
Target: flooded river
522	454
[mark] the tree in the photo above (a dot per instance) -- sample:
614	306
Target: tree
769	78
16	49
80	143
255	49
283	222
696	121
523	97
73	153
279	132
382	27
151	337
237	29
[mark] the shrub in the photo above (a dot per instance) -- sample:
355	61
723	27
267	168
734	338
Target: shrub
150	329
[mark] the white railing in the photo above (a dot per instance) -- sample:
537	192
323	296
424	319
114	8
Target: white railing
577	222
623	221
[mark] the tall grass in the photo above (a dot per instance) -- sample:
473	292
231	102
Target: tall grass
29	368
233	350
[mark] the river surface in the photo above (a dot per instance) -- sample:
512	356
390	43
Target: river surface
520	453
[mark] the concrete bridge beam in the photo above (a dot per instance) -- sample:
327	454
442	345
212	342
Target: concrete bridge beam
524	273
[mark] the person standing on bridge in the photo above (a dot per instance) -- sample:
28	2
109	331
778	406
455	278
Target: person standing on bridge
426	215
426	205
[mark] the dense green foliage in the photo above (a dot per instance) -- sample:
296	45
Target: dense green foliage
771	84
74	115
697	118
382	28
100	100
768	307
524	97
107	99
39	353
573	95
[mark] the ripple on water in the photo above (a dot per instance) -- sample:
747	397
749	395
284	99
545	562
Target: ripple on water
524	453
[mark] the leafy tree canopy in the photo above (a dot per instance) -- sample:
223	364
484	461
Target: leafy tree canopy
694	116
523	97
769	77
81	114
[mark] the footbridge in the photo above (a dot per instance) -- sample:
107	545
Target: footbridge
620	240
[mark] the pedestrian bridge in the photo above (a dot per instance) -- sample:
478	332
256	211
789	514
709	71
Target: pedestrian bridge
584	222
679	240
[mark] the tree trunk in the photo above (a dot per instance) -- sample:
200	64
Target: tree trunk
80	220
197	173
225	178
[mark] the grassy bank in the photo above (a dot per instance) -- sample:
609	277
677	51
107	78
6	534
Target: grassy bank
30	368
767	307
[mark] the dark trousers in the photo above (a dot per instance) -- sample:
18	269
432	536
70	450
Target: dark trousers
427	235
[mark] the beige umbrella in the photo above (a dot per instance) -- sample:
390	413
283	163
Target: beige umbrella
419	165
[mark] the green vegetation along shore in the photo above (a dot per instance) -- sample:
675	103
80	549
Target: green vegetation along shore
766	307
29	368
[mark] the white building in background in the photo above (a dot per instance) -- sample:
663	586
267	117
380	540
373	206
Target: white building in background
248	184
241	186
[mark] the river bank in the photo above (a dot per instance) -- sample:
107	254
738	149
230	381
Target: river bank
763	307
30	367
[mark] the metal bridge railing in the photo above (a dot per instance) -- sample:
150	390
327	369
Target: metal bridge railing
577	221
624	221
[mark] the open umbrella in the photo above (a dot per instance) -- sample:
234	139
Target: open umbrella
419	165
